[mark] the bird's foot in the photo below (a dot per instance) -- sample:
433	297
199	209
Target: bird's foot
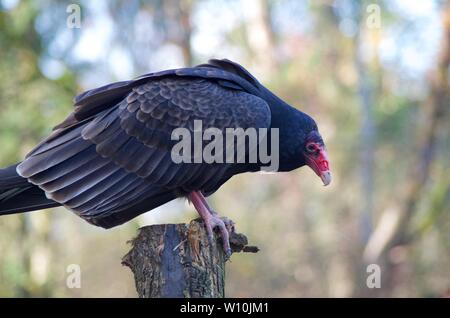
212	220
224	225
229	224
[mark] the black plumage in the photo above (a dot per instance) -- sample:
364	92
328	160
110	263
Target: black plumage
109	161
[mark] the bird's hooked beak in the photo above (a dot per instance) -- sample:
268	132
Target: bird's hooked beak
317	160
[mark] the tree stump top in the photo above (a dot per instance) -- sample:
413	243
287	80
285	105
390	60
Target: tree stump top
176	260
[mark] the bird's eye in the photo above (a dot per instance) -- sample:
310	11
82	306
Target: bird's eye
311	148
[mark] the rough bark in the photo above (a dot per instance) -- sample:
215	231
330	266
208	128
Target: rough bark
176	260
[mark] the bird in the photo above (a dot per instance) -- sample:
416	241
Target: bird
111	159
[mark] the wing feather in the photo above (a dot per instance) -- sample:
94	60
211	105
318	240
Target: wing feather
149	120
111	158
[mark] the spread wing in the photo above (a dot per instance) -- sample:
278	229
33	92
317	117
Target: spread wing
111	159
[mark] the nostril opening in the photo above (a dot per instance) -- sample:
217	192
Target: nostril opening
324	165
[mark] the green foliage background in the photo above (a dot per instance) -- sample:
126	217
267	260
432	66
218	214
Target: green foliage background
311	238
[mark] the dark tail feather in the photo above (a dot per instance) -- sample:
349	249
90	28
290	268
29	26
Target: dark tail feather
17	195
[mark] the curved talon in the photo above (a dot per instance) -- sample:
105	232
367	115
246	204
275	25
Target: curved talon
229	224
212	221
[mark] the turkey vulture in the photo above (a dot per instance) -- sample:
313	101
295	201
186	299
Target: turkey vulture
110	160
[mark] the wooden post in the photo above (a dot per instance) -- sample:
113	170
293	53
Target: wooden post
176	260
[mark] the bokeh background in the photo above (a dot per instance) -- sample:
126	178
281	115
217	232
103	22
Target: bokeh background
374	75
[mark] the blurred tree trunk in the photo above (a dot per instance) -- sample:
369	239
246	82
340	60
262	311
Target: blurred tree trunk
185	9
179	30
260	35
170	23
393	228
366	91
27	245
367	128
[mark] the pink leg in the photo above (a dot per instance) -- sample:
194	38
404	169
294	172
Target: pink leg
211	220
228	223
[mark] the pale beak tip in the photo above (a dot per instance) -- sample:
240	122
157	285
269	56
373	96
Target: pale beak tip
326	177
